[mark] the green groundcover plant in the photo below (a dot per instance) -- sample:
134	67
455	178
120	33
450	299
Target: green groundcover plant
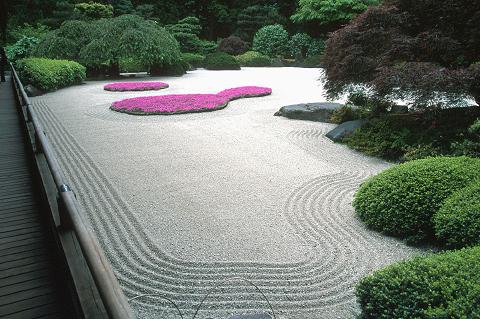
49	75
402	200
438	286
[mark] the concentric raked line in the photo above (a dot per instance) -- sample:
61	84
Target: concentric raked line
314	142
127	272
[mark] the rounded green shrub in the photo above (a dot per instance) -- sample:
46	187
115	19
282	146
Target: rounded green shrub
221	61
49	75
271	40
438	286
402	200
457	223
299	44
253	59
193	59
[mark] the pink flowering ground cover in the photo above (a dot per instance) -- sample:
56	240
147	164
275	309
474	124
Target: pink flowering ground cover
135	86
186	103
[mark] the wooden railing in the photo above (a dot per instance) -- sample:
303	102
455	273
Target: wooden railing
90	277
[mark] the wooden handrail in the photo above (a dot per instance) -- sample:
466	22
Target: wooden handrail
114	301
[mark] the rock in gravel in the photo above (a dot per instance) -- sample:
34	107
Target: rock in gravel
32	91
344	129
318	112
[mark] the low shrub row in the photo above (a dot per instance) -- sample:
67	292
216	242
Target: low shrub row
49	75
439	286
404	137
436	199
221	61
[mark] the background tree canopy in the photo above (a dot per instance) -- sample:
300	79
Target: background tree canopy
103	43
420	50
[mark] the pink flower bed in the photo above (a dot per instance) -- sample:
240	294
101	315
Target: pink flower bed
185	103
135	86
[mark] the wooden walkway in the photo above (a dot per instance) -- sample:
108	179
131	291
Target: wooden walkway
30	281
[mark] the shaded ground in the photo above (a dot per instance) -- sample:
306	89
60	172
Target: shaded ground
182	203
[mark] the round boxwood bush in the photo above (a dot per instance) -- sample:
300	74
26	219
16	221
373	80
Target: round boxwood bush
437	286
271	40
457	223
221	61
193	59
402	200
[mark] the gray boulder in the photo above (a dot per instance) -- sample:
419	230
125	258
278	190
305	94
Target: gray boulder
344	129
318	112
32	91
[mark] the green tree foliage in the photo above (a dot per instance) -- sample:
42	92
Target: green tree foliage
186	32
21	49
38	31
66	41
103	43
424	51
254	17
330	11
122	7
271	40
299	44
93	10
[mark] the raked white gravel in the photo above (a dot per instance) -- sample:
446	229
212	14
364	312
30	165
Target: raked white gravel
184	203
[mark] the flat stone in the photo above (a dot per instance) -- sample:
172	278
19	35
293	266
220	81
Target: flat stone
318	112
32	91
252	316
344	129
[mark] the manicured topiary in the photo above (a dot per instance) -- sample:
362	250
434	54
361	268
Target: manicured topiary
271	40
253	58
186	103
221	61
457	223
49	75
439	286
194	60
402	200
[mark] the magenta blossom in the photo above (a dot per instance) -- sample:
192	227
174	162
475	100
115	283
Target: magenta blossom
135	86
185	103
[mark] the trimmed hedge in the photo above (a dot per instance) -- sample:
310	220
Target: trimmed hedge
402	200
271	40
221	61
49	75
457	223
193	59
438	286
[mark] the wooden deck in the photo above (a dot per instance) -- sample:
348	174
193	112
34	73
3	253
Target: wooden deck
31	285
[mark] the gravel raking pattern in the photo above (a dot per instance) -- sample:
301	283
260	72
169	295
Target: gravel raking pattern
341	250
314	142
